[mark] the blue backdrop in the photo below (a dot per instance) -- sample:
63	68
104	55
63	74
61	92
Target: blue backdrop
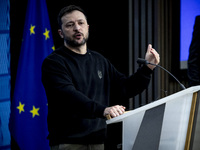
189	10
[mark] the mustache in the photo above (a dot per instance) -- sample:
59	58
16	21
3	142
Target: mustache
78	33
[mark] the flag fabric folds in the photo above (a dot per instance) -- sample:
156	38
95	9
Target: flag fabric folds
28	119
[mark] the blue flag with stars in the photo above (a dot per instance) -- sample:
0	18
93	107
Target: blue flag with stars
28	120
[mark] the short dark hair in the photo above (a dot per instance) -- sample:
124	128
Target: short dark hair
67	10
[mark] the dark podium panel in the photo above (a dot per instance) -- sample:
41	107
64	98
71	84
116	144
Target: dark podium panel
171	123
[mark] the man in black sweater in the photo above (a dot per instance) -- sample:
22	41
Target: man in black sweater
78	84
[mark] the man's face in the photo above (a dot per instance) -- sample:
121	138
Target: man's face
74	29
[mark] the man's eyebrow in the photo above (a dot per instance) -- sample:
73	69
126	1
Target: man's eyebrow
75	21
69	22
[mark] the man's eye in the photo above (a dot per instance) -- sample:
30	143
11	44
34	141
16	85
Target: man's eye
81	23
69	25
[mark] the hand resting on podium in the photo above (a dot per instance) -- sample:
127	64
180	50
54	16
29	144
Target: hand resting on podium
114	111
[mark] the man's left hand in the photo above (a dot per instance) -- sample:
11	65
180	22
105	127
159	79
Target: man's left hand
152	56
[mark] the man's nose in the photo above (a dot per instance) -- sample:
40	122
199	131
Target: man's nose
76	27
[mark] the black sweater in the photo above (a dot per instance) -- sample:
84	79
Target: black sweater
78	89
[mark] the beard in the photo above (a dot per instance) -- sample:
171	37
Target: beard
73	43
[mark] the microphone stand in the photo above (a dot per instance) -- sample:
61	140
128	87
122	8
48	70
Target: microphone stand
143	61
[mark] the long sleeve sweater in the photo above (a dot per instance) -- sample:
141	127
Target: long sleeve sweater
78	89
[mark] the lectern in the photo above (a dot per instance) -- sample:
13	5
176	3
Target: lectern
171	123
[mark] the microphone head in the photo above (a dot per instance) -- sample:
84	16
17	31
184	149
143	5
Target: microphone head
142	61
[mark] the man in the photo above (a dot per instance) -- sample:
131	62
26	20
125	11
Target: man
194	55
78	84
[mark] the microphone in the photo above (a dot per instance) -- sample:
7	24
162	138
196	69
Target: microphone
145	62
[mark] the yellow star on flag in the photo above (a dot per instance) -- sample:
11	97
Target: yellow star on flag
34	111
20	107
53	48
46	34
32	29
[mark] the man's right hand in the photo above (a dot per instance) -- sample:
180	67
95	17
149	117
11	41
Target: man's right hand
114	111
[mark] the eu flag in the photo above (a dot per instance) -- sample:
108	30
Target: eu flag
28	120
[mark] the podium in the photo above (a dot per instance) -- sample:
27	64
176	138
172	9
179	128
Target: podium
171	123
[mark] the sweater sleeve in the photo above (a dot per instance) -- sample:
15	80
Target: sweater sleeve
62	96
130	86
139	81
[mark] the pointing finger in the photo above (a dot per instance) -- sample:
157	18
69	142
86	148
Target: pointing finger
149	48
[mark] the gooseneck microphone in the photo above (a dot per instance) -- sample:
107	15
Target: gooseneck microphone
145	62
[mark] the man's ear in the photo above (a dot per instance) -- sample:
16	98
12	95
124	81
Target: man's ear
60	33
